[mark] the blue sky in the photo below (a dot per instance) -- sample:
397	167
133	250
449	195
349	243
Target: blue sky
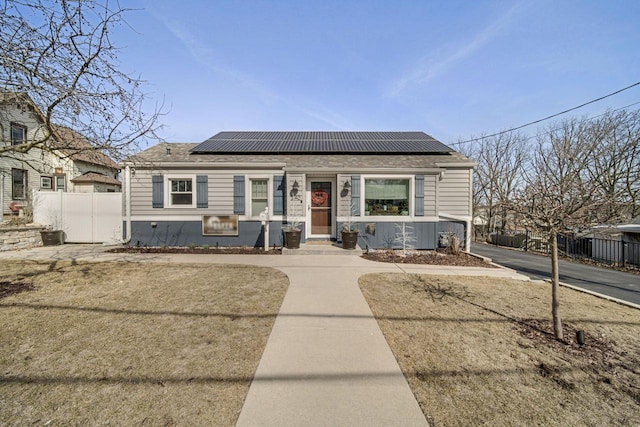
451	68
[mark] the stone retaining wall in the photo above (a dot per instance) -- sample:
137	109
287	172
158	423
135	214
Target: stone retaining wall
12	238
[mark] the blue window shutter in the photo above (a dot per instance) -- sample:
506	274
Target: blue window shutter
278	195
355	195
202	191
157	191
419	210
238	194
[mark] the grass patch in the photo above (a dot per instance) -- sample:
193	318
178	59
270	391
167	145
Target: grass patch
124	343
480	351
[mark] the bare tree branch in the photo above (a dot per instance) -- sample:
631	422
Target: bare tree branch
59	53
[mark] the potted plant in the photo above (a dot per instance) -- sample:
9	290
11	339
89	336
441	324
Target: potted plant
349	234
292	234
51	237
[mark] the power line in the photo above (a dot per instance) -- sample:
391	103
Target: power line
548	117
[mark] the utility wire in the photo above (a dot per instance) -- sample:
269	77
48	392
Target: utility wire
548	117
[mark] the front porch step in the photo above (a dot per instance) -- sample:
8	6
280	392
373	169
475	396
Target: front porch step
322	248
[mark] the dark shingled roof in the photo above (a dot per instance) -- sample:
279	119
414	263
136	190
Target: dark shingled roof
322	142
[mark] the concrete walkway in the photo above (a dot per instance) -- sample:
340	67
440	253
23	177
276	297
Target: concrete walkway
326	361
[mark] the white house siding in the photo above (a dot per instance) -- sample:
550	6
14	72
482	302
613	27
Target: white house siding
36	162
430	195
454	192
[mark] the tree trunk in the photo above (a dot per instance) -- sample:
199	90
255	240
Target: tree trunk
555	287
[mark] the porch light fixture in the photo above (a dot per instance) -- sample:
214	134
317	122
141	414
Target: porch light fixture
345	189
294	191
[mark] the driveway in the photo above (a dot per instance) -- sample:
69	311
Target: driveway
612	283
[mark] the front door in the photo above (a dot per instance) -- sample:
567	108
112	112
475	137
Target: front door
321	208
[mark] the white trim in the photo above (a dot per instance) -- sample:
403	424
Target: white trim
247	192
391	218
197	217
360	171
334	200
167	190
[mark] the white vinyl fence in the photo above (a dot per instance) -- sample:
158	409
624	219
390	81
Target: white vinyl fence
84	217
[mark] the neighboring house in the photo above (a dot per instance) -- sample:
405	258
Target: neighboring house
214	192
79	168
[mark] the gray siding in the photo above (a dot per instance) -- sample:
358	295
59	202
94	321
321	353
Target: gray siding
220	197
185	233
454	192
382	235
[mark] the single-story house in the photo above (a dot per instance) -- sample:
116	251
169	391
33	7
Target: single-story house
216	192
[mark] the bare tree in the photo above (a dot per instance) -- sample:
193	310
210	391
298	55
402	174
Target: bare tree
500	161
559	197
615	166
59	53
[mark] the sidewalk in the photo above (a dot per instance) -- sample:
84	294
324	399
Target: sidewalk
326	361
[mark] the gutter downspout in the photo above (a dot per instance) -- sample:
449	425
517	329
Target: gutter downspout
127	203
467	232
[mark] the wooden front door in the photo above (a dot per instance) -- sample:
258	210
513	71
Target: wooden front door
321	213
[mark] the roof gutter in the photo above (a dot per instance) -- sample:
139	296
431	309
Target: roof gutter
196	165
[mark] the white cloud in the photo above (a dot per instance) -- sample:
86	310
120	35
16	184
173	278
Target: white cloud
423	73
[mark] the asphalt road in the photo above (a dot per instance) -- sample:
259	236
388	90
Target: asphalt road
616	284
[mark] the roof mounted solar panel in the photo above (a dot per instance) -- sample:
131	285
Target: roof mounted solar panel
322	142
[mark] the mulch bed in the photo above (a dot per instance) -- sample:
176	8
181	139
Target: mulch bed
245	250
462	259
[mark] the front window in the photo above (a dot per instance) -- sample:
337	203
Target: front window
18	134
384	196
181	191
259	196
46	183
19	184
61	182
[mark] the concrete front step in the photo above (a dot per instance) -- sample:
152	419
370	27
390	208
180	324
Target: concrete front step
322	248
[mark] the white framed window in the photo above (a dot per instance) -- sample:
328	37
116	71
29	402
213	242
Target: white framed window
19	184
180	191
46	183
387	196
259	195
18	134
61	182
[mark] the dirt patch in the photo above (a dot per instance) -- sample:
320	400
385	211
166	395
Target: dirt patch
481	351
10	288
462	259
132	344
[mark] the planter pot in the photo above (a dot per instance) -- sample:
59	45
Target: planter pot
292	239
349	239
51	238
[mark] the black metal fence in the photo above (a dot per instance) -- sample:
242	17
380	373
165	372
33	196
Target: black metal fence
604	251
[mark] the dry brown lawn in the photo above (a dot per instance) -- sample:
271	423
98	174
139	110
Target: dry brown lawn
132	344
478	351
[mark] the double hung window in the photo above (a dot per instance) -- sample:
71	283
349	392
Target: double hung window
259	196
181	191
19	184
18	134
